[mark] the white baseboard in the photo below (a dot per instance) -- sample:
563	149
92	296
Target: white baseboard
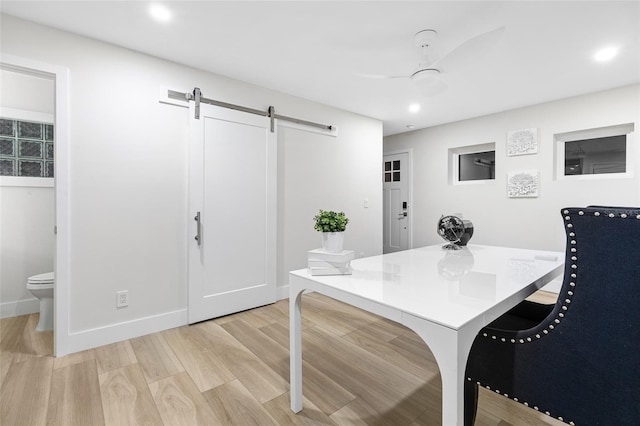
93	338
282	292
19	307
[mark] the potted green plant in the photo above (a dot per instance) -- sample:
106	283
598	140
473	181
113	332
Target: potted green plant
332	225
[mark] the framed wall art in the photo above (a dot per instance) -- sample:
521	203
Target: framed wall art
522	142
523	184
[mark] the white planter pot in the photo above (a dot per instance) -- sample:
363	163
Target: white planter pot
333	241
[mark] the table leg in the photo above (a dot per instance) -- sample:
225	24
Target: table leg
295	348
451	350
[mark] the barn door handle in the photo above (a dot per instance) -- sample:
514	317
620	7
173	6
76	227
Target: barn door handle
198	230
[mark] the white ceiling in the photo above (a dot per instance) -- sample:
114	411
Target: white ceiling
319	50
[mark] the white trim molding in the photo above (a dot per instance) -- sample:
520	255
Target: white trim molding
100	336
19	307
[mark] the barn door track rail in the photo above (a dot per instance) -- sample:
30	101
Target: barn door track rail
197	97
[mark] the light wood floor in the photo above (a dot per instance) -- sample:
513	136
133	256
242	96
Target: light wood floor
359	369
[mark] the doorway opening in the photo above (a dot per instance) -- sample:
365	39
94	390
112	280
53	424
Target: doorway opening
52	176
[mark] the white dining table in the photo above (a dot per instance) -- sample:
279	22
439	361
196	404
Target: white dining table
444	296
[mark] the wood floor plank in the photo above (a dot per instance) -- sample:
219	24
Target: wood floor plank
11	330
545	297
383	385
336	317
193	350
317	387
414	349
6	358
393	354
257	317
278	333
511	412
114	356
25	392
180	402
265	348
234	405
75	358
384	330
283	307
279	409
70	407
359	413
263	383
126	399
34	343
156	357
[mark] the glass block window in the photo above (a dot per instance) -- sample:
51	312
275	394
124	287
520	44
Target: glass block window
26	148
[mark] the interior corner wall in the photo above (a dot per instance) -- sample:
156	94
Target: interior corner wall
128	179
517	222
26	212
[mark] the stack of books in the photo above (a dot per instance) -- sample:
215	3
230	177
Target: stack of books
322	262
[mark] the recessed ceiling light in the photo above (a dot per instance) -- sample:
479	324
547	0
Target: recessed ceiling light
414	107
606	54
159	12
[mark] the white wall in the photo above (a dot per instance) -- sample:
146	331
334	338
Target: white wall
26	212
532	222
128	179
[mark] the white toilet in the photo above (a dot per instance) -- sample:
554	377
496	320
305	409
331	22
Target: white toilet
41	286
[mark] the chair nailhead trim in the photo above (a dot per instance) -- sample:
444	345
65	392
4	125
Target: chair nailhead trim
525	403
596	214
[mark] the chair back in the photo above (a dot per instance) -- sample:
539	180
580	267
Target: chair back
598	312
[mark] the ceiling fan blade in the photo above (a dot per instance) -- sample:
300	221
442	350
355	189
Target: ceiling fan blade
469	51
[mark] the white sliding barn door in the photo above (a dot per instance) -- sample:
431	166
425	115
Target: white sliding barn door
232	187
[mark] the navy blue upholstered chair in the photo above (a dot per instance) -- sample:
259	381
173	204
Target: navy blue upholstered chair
578	360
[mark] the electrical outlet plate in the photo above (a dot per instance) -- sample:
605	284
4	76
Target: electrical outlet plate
122	299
